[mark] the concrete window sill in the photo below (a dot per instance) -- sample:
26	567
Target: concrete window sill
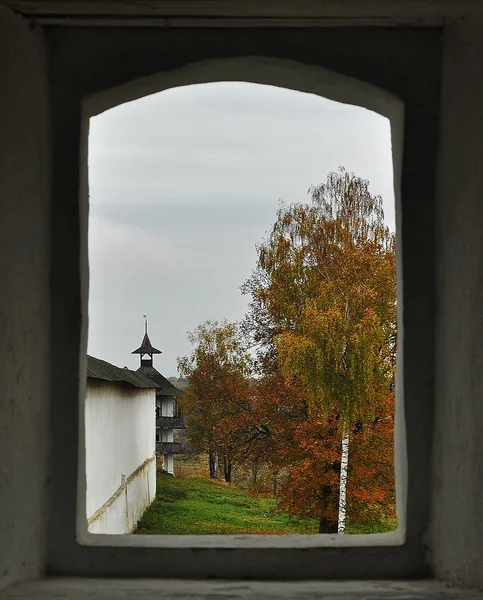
62	588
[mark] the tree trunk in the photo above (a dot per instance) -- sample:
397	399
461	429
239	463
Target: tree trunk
344	465
327	526
254	476
213	458
227	469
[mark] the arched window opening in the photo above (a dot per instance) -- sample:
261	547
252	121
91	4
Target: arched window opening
262	221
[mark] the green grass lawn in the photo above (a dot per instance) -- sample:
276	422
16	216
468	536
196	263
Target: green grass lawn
195	506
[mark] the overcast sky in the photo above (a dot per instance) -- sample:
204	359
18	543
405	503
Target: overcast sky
184	183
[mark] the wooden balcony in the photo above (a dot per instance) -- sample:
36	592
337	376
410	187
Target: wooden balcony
170	422
168	447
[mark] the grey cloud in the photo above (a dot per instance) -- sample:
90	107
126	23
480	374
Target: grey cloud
184	183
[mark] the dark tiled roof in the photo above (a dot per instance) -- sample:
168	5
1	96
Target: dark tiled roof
164	387
100	369
146	347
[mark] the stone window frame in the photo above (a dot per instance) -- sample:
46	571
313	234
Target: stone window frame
400	553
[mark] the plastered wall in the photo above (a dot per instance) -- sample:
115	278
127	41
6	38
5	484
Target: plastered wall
24	300
456	546
122	514
120	438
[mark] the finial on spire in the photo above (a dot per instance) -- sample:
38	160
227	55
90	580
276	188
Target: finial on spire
145	323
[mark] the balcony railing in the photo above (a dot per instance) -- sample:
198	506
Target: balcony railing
168	447
170	422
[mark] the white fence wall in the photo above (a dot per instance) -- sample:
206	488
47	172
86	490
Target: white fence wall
120	455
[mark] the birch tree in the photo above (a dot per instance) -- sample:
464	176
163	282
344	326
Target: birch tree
325	289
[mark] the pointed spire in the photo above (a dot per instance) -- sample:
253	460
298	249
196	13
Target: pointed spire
146	346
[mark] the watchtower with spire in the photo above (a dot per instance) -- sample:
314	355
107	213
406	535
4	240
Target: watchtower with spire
146	348
168	417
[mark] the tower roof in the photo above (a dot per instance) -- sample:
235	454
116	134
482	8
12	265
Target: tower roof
164	387
146	347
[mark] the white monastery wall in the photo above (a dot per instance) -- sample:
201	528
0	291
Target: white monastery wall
120	460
